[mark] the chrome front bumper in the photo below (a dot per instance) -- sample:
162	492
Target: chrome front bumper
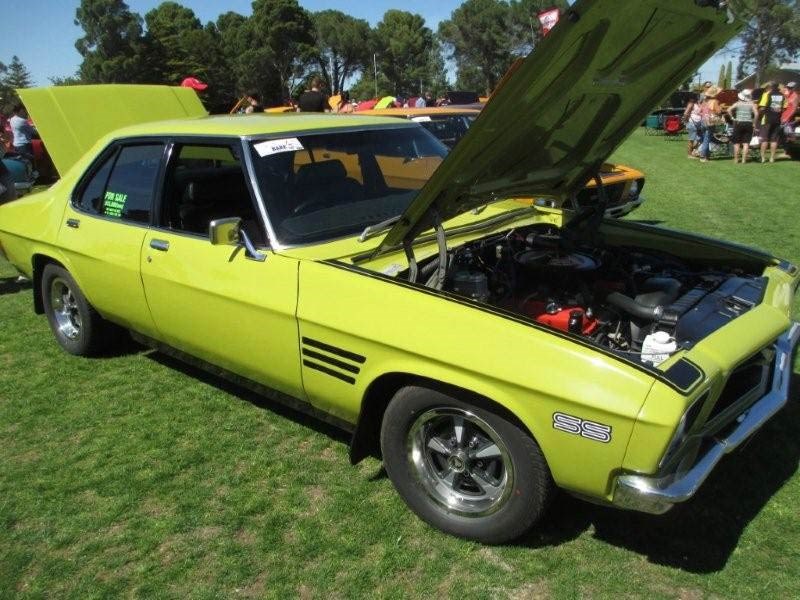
656	495
619	211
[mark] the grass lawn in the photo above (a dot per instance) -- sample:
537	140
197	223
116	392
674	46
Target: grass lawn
136	475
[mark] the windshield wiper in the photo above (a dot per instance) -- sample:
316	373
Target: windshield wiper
372	230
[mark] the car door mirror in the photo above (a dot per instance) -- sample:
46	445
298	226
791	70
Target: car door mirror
229	232
225	232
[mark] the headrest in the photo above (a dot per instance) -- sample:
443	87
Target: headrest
321	172
216	190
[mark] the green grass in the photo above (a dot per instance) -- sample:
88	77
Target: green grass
137	476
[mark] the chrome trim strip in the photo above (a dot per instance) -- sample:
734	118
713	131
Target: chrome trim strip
273	241
656	495
391	123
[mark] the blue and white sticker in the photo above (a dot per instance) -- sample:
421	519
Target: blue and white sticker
271	147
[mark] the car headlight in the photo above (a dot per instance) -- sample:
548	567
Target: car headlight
685	425
636	188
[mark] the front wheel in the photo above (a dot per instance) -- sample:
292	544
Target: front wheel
462	468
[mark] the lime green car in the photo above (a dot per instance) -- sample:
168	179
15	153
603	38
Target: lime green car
488	351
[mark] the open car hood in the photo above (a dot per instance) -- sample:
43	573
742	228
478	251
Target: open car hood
71	119
569	105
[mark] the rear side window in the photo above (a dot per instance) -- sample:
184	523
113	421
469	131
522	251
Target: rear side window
123	186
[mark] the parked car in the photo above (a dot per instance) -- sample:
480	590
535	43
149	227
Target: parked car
21	172
622	185
489	352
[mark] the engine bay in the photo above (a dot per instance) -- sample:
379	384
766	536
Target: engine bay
640	303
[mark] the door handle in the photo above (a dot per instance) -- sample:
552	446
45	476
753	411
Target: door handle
161	245
74	223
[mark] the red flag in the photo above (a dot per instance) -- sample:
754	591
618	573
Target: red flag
548	18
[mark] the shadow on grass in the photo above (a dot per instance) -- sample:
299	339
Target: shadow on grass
251	396
700	535
12	285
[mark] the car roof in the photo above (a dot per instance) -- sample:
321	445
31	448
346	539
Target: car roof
252	125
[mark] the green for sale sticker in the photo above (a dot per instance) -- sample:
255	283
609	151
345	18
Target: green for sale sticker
114	204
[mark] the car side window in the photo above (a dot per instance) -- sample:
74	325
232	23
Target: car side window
205	183
123	186
91	196
130	189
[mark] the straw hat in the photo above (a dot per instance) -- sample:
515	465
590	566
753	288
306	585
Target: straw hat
746	95
712	92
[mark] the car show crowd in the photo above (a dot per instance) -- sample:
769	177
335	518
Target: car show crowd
761	119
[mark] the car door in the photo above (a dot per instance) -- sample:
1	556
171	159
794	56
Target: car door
215	302
105	225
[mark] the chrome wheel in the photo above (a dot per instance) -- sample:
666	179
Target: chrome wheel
460	461
65	309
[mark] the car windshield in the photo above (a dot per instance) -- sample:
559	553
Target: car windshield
325	186
448	129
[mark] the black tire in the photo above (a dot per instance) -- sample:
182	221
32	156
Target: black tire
83	331
415	413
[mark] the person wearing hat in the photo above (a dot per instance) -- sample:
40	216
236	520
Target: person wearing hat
770	109
744	113
711	113
787	116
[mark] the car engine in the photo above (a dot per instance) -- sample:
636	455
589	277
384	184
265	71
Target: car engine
637	302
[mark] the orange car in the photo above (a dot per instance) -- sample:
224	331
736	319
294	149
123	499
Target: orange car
623	184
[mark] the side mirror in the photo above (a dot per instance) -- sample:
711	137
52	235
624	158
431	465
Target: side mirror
229	232
225	232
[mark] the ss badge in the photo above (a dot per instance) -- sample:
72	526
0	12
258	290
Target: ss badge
587	429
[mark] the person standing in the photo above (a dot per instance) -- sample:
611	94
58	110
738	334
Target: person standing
23	132
254	105
693	118
744	113
345	106
787	117
770	109
313	100
710	113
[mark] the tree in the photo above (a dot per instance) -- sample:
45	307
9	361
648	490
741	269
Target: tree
68	80
13	76
112	45
771	36
404	45
167	51
721	77
284	33
342	47
484	37
729	76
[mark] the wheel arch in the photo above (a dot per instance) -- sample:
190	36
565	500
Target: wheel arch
39	261
366	436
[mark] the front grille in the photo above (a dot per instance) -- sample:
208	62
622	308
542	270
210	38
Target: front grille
747	383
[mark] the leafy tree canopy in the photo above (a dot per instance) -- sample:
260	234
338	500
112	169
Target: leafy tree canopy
343	47
404	45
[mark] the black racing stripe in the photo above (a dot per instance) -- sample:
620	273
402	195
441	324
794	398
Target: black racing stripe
508	316
327	371
331	361
334	350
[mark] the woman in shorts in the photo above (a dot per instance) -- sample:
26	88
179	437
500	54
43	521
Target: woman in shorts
744	113
694	125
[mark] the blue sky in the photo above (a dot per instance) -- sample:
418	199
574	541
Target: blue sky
42	33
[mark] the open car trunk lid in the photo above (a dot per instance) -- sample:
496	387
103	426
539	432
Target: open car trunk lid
569	105
71	119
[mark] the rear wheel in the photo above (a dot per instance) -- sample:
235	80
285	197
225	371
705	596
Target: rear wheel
462	468
76	325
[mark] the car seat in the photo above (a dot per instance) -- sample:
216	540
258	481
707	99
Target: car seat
324	184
